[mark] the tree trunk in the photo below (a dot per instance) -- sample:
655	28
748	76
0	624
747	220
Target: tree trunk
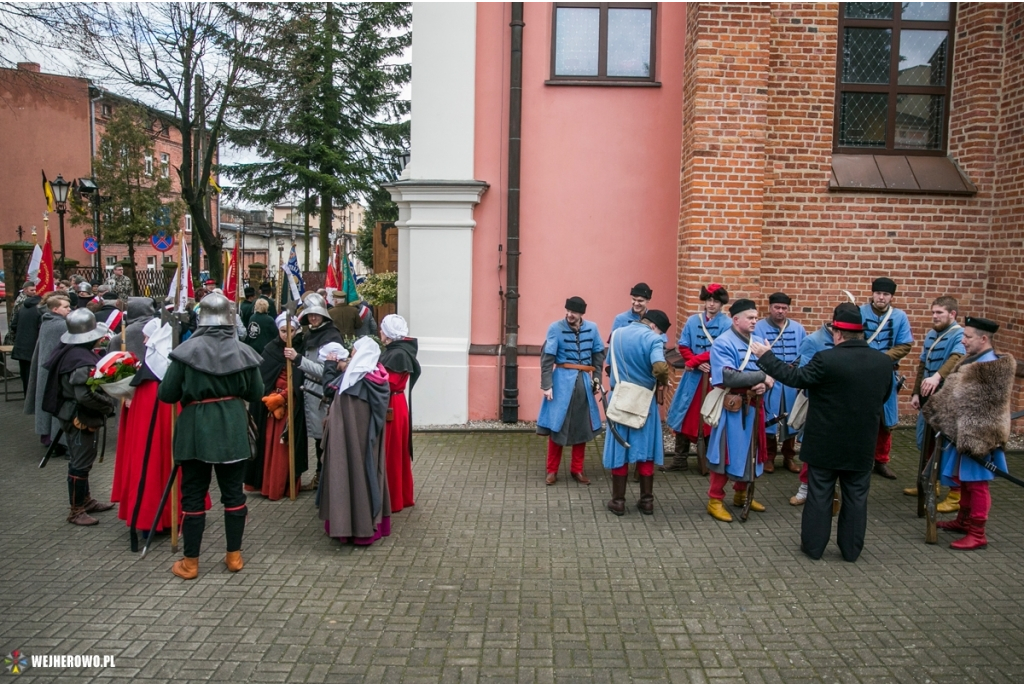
131	258
326	219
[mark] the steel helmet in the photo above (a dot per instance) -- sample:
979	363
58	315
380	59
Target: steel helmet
82	327
315	304
215	310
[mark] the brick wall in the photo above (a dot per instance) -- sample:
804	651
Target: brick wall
756	213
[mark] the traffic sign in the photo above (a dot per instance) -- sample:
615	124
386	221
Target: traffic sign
162	241
90	245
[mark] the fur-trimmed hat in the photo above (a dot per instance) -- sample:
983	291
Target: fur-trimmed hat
780	298
641	290
658	318
576	304
883	285
740	306
714	290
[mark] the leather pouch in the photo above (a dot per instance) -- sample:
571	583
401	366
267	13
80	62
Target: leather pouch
732	402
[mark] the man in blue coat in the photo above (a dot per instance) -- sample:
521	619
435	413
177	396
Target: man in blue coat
571	355
972	411
943	348
637	354
784	337
887	330
739	434
695	340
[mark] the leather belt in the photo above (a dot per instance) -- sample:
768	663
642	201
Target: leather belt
215	399
576	367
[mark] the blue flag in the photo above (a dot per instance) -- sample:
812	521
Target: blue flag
295	284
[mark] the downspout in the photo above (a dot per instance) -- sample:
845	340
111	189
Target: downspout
92	175
510	394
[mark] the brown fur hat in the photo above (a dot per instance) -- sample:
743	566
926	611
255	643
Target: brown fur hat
973	406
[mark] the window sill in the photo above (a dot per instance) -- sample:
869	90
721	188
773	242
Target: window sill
898	174
603	82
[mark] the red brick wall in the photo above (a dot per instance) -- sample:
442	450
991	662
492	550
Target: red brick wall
760	83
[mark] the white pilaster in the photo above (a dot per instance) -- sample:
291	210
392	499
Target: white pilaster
436	198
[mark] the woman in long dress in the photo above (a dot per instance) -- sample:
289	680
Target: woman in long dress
354	501
268	472
399	358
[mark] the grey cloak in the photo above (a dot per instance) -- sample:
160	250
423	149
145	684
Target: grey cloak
52	327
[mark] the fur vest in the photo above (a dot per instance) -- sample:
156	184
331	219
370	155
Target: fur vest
972	409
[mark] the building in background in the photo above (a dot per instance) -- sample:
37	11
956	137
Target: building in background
55	124
803	147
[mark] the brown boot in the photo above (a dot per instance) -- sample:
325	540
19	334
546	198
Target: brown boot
80	518
617	504
646	502
678	462
186	567
311	485
769	466
789	463
234	561
92	506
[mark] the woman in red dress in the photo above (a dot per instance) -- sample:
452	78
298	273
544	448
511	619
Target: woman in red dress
399	358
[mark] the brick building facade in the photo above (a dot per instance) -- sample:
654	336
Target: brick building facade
757	211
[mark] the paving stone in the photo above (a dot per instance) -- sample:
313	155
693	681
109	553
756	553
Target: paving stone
495	577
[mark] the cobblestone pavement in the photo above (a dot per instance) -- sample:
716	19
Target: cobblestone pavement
493	576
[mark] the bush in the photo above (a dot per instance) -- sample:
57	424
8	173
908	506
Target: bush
380	289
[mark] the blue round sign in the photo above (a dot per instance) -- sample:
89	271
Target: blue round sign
90	245
162	241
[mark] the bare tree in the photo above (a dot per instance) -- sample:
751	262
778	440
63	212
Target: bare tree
184	58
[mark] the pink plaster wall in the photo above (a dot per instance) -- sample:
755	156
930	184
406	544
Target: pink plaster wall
600	192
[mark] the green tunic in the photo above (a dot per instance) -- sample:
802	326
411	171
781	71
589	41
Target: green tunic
215	432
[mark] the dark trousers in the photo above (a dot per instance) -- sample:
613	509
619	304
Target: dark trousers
195	483
816	526
24	369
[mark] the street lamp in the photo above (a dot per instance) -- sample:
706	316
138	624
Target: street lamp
60	199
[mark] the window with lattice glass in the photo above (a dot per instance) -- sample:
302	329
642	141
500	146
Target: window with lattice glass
603	42
892	77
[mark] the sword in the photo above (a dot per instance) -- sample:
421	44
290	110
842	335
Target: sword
160	510
702	445
990	466
929	476
609	422
52	448
752	465
132	533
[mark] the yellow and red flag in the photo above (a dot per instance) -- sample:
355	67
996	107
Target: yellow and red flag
48	193
45	282
231	276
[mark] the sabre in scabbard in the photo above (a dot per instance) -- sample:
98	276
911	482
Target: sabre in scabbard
702	444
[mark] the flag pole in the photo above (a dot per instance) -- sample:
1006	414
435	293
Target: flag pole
291	413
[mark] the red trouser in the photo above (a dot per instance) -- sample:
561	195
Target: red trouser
643	468
555	457
975	499
883	444
803	473
717	488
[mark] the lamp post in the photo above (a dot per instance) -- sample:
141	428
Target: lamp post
60	200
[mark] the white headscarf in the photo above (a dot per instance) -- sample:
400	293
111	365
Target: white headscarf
158	347
394	327
334	348
282	318
365	354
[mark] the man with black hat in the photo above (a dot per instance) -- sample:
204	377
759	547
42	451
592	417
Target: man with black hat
214	376
695	340
972	411
569	371
245	309
784	337
640	294
740	430
80	410
846	388
265	294
637	356
887	330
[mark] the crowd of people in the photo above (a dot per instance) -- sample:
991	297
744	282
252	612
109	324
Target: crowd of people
233	390
752	386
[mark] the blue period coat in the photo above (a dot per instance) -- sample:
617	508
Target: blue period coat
692	338
785	343
636	348
731	439
933	356
957	468
569	347
895	332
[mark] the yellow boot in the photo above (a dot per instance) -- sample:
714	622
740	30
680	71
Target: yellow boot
910	492
234	561
950	504
186	567
717	510
739	498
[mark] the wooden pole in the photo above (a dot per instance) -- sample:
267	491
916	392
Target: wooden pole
291	413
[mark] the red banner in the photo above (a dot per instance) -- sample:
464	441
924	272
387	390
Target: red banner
231	278
45	278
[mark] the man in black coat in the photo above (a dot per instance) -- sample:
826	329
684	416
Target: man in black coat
847	386
25	331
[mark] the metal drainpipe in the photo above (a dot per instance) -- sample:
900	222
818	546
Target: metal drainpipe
510	393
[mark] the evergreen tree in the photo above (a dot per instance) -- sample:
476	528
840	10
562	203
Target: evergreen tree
326	115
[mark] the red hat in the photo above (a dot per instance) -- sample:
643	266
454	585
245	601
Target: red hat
209	281
847	317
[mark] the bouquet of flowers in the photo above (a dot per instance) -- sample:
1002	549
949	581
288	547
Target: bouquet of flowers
113	375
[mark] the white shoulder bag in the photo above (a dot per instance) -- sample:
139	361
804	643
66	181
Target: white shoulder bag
630	403
711	410
798	414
